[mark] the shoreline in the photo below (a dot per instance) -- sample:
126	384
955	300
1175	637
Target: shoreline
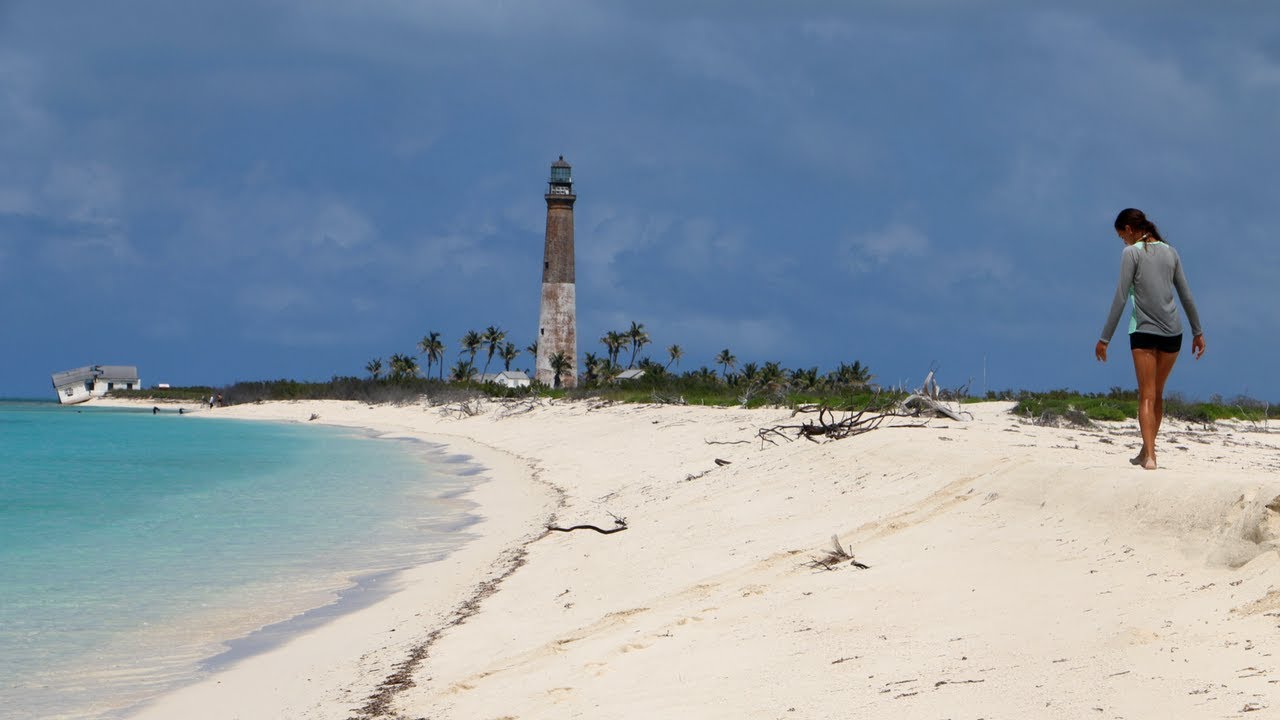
327	643
1014	569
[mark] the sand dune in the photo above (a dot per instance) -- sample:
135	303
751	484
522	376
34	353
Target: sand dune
1014	571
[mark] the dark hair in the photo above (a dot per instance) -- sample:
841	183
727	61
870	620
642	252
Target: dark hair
1136	219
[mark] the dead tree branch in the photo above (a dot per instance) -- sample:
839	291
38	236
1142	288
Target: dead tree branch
619	524
834	556
830	424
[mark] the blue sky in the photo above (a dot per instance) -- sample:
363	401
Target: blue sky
255	190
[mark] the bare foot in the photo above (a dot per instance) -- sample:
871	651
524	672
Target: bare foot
1140	458
1149	463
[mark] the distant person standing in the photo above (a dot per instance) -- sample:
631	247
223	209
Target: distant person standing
1150	272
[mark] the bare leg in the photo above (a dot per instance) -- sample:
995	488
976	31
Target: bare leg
1164	366
1144	366
1152	368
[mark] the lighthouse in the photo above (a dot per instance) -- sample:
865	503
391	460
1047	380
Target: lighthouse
557	320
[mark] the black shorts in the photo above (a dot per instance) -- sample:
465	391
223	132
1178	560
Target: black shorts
1148	341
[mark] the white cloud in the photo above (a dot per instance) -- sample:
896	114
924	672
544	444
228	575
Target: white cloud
450	253
82	192
340	225
613	232
871	251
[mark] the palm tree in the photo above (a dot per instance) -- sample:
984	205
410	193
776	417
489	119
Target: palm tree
749	372
807	379
652	370
559	365
403	366
492	338
374	368
508	353
532	349
462	371
613	342
773	374
638	337
675	352
856	374
726	360
433	348
471	343
591	367
705	374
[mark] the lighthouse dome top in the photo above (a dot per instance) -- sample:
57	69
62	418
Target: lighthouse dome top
561	177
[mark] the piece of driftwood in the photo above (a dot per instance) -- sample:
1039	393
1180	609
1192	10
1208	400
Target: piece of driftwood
834	556
661	399
920	403
619	524
929	398
723	462
830	424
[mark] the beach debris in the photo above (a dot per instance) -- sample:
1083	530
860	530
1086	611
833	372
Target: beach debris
661	399
831	424
930	398
619	524
314	416
1069	418
379	704
518	406
834	556
723	462
463	409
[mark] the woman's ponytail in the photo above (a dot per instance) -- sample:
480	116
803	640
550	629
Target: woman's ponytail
1136	219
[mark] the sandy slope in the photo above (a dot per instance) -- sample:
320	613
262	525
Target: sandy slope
1015	571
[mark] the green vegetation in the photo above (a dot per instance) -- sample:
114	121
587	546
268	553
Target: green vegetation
1120	404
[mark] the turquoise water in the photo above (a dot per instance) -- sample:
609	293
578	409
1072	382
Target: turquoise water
133	545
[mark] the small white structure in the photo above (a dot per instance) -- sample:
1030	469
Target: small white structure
632	374
507	378
91	381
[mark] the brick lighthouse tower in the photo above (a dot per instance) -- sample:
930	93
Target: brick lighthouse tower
558	320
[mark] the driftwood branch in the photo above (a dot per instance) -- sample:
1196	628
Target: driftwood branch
619	524
930	399
834	556
829	423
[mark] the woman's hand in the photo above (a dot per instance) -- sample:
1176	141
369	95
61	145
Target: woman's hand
1100	351
1197	346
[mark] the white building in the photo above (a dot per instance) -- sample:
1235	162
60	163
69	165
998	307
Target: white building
91	381
507	378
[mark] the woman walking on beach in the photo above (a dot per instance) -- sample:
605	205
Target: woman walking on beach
1150	271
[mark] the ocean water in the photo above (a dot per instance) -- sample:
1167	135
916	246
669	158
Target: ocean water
134	546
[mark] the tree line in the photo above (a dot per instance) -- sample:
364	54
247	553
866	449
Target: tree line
602	368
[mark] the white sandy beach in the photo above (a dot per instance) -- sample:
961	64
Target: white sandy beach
1015	571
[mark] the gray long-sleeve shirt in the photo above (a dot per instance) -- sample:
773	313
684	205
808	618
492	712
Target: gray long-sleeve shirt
1152	271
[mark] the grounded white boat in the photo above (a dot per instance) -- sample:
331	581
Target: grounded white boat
91	381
